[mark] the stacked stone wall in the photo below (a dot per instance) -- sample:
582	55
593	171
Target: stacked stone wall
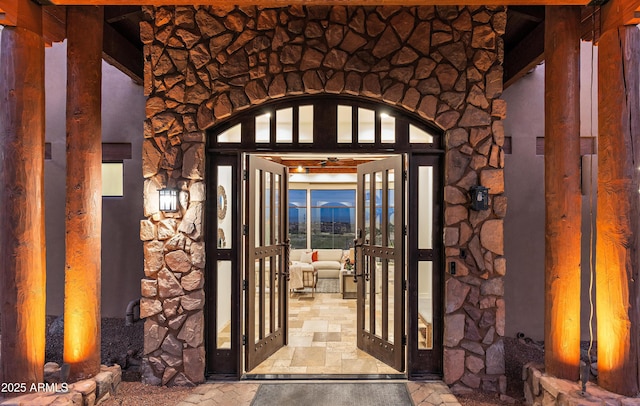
203	64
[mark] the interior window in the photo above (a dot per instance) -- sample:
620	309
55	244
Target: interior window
298	218
333	215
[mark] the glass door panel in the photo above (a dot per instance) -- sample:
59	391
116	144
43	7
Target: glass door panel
266	260
425	305
380	260
425	267
223	305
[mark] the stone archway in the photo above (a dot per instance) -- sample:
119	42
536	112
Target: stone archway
204	64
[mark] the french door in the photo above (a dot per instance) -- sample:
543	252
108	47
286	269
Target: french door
380	260
267	263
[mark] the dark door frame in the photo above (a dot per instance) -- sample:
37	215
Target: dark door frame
425	364
419	364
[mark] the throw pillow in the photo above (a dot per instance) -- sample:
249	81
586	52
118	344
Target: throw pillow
306	257
314	256
345	256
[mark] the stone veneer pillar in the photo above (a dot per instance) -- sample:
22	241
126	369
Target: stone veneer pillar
205	63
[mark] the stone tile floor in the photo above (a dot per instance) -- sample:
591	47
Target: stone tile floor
322	340
242	393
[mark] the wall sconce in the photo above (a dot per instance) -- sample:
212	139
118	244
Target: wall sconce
479	198
168	200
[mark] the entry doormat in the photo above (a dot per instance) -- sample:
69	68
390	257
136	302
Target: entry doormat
332	394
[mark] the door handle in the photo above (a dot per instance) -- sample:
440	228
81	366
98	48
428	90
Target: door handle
285	261
361	269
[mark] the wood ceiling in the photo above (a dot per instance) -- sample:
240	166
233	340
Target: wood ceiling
523	39
315	165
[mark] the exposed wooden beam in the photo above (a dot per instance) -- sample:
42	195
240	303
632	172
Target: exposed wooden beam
324	170
322	163
280	3
54	24
524	56
122	54
591	24
617	13
21	13
119	13
535	14
9	12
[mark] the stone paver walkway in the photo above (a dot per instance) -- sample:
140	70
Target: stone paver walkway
242	393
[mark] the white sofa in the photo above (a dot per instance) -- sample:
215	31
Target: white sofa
328	264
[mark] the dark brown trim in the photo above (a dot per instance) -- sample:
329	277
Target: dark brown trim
507	146
116	151
223	362
429	366
588	145
111	151
425	363
524	56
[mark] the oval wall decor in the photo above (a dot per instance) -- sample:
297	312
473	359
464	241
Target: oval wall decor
222	202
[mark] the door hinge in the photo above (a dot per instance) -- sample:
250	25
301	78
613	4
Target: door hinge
245	285
245	174
244	339
405	175
404	339
404	285
245	230
404	230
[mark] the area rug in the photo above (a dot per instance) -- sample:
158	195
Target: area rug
333	394
325	285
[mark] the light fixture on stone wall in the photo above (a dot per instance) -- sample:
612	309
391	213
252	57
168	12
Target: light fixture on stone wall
168	200
479	198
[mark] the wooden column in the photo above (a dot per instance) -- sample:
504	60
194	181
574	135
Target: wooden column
618	218
563	199
84	191
22	236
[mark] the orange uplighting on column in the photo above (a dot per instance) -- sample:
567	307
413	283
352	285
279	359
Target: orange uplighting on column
83	192
563	198
613	325
618	217
22	218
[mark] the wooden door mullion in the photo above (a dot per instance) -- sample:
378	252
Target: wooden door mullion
371	258
384	224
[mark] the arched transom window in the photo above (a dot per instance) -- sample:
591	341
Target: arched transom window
335	123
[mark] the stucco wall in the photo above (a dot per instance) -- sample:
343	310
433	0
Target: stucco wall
524	228
122	117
